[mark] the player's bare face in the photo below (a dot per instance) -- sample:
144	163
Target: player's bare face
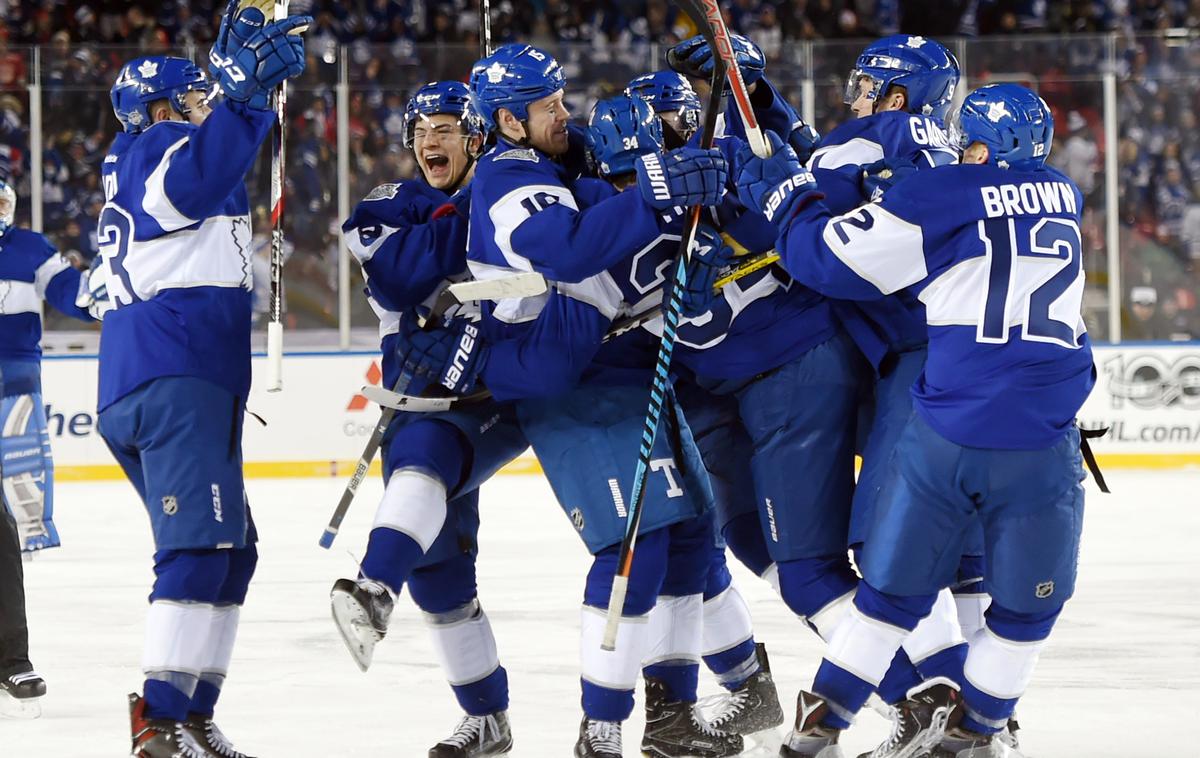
441	150
547	124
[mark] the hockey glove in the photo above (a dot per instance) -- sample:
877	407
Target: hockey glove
450	356
251	57
93	290
693	57
777	186
804	140
683	177
710	255
879	177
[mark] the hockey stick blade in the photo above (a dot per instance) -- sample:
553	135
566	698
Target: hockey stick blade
398	401
529	284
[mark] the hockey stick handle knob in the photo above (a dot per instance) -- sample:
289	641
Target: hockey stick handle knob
274	356
616	606
327	536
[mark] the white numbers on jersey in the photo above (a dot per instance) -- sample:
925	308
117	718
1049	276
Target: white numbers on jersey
110	186
113	234
1035	273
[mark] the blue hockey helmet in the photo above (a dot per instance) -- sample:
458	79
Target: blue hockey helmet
621	130
513	77
1014	123
8	207
926	69
450	98
124	94
667	91
165	78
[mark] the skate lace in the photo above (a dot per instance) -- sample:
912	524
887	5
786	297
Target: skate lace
704	726
895	738
373	587
725	707
473	729
219	743
605	735
188	746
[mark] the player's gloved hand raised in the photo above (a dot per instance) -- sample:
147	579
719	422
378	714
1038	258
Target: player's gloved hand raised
777	186
251	57
450	356
878	177
693	57
687	176
709	256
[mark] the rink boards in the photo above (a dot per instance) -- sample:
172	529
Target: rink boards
1149	395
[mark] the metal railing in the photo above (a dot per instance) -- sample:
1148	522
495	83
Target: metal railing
1126	132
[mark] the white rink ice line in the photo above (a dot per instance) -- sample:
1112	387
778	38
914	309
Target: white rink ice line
1120	677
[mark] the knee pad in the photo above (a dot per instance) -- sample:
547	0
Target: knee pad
431	445
242	563
645	580
446	586
719	578
744	537
810	584
414	503
195	576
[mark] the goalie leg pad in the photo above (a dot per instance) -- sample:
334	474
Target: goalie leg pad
25	459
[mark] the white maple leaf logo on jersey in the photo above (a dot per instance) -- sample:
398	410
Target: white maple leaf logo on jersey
916	41
997	111
148	69
496	72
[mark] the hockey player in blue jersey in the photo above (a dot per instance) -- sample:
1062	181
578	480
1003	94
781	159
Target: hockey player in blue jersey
528	213
993	433
31	272
410	238
730	651
175	360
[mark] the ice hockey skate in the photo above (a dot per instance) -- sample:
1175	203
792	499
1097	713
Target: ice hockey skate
361	611
963	743
919	722
598	739
809	739
20	695
754	706
675	729
476	736
206	732
160	738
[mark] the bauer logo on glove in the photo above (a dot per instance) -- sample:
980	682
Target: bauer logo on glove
782	192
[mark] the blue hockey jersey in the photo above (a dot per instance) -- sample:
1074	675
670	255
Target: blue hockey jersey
410	239
175	235
894	324
32	271
1000	275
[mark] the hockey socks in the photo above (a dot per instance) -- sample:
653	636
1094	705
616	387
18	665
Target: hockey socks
728	639
409	518
1000	665
219	654
609	676
466	649
177	638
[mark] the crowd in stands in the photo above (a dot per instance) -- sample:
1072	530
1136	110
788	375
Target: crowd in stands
394	45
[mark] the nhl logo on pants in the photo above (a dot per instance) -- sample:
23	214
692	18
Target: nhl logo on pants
171	506
577	519
1044	590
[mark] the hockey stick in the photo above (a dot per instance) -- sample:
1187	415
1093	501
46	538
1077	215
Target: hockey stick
275	308
521	285
706	15
485	28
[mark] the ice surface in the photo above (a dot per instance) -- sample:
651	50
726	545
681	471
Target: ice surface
1120	677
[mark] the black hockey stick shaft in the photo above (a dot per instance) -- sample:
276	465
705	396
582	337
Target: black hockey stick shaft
660	385
485	28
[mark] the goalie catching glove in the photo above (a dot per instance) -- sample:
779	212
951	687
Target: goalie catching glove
252	57
450	356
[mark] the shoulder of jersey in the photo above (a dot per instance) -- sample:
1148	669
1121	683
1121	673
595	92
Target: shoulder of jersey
405	189
28	242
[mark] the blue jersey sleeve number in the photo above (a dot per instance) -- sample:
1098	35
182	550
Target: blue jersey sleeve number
112	237
1034	279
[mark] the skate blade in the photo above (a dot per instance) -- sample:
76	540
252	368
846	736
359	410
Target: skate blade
18	708
355	628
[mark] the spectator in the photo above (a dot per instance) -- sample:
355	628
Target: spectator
1144	321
